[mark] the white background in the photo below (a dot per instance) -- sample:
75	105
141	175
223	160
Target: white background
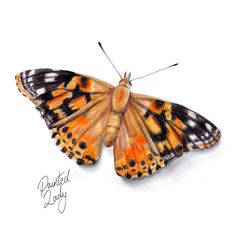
195	195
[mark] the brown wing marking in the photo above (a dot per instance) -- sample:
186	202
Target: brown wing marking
132	152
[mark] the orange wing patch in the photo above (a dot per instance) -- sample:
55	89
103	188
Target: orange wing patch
82	138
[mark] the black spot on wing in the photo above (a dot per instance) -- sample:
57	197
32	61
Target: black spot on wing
58	142
64	149
162	135
71	155
147	114
69	135
128	176
179	150
65	129
89	158
67	110
132	163
140	174
149	171
46	96
159	104
142	162
87	97
80	161
82	145
84	81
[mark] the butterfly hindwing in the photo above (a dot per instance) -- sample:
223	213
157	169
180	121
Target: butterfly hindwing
135	155
74	106
173	128
82	138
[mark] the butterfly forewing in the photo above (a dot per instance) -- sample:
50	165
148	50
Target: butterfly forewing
174	128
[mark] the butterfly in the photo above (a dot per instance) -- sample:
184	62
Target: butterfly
83	113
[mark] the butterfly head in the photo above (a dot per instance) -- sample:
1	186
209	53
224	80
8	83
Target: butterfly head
126	80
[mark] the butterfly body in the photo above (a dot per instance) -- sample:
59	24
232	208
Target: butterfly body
83	113
120	98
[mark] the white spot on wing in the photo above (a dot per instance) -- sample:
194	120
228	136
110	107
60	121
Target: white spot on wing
51	74
191	123
23	75
192	114
172	154
216	132
40	91
198	142
208	126
48	80
193	137
190	146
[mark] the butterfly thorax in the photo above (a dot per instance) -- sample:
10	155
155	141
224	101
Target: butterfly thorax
120	98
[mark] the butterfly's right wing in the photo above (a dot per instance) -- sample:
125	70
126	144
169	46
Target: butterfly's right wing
174	128
155	131
134	152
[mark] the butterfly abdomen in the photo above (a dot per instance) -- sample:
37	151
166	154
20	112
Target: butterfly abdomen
120	100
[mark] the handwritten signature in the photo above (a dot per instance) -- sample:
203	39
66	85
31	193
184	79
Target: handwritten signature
52	190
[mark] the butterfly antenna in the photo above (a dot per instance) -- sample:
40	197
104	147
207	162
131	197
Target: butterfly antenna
100	45
155	72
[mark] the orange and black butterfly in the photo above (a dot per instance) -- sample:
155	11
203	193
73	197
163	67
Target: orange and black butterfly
84	113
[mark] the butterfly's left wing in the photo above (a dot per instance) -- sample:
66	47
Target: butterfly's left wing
58	94
173	128
74	106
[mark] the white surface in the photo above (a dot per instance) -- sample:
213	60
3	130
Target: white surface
195	195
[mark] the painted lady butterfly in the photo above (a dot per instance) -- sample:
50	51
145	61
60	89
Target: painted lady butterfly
84	113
